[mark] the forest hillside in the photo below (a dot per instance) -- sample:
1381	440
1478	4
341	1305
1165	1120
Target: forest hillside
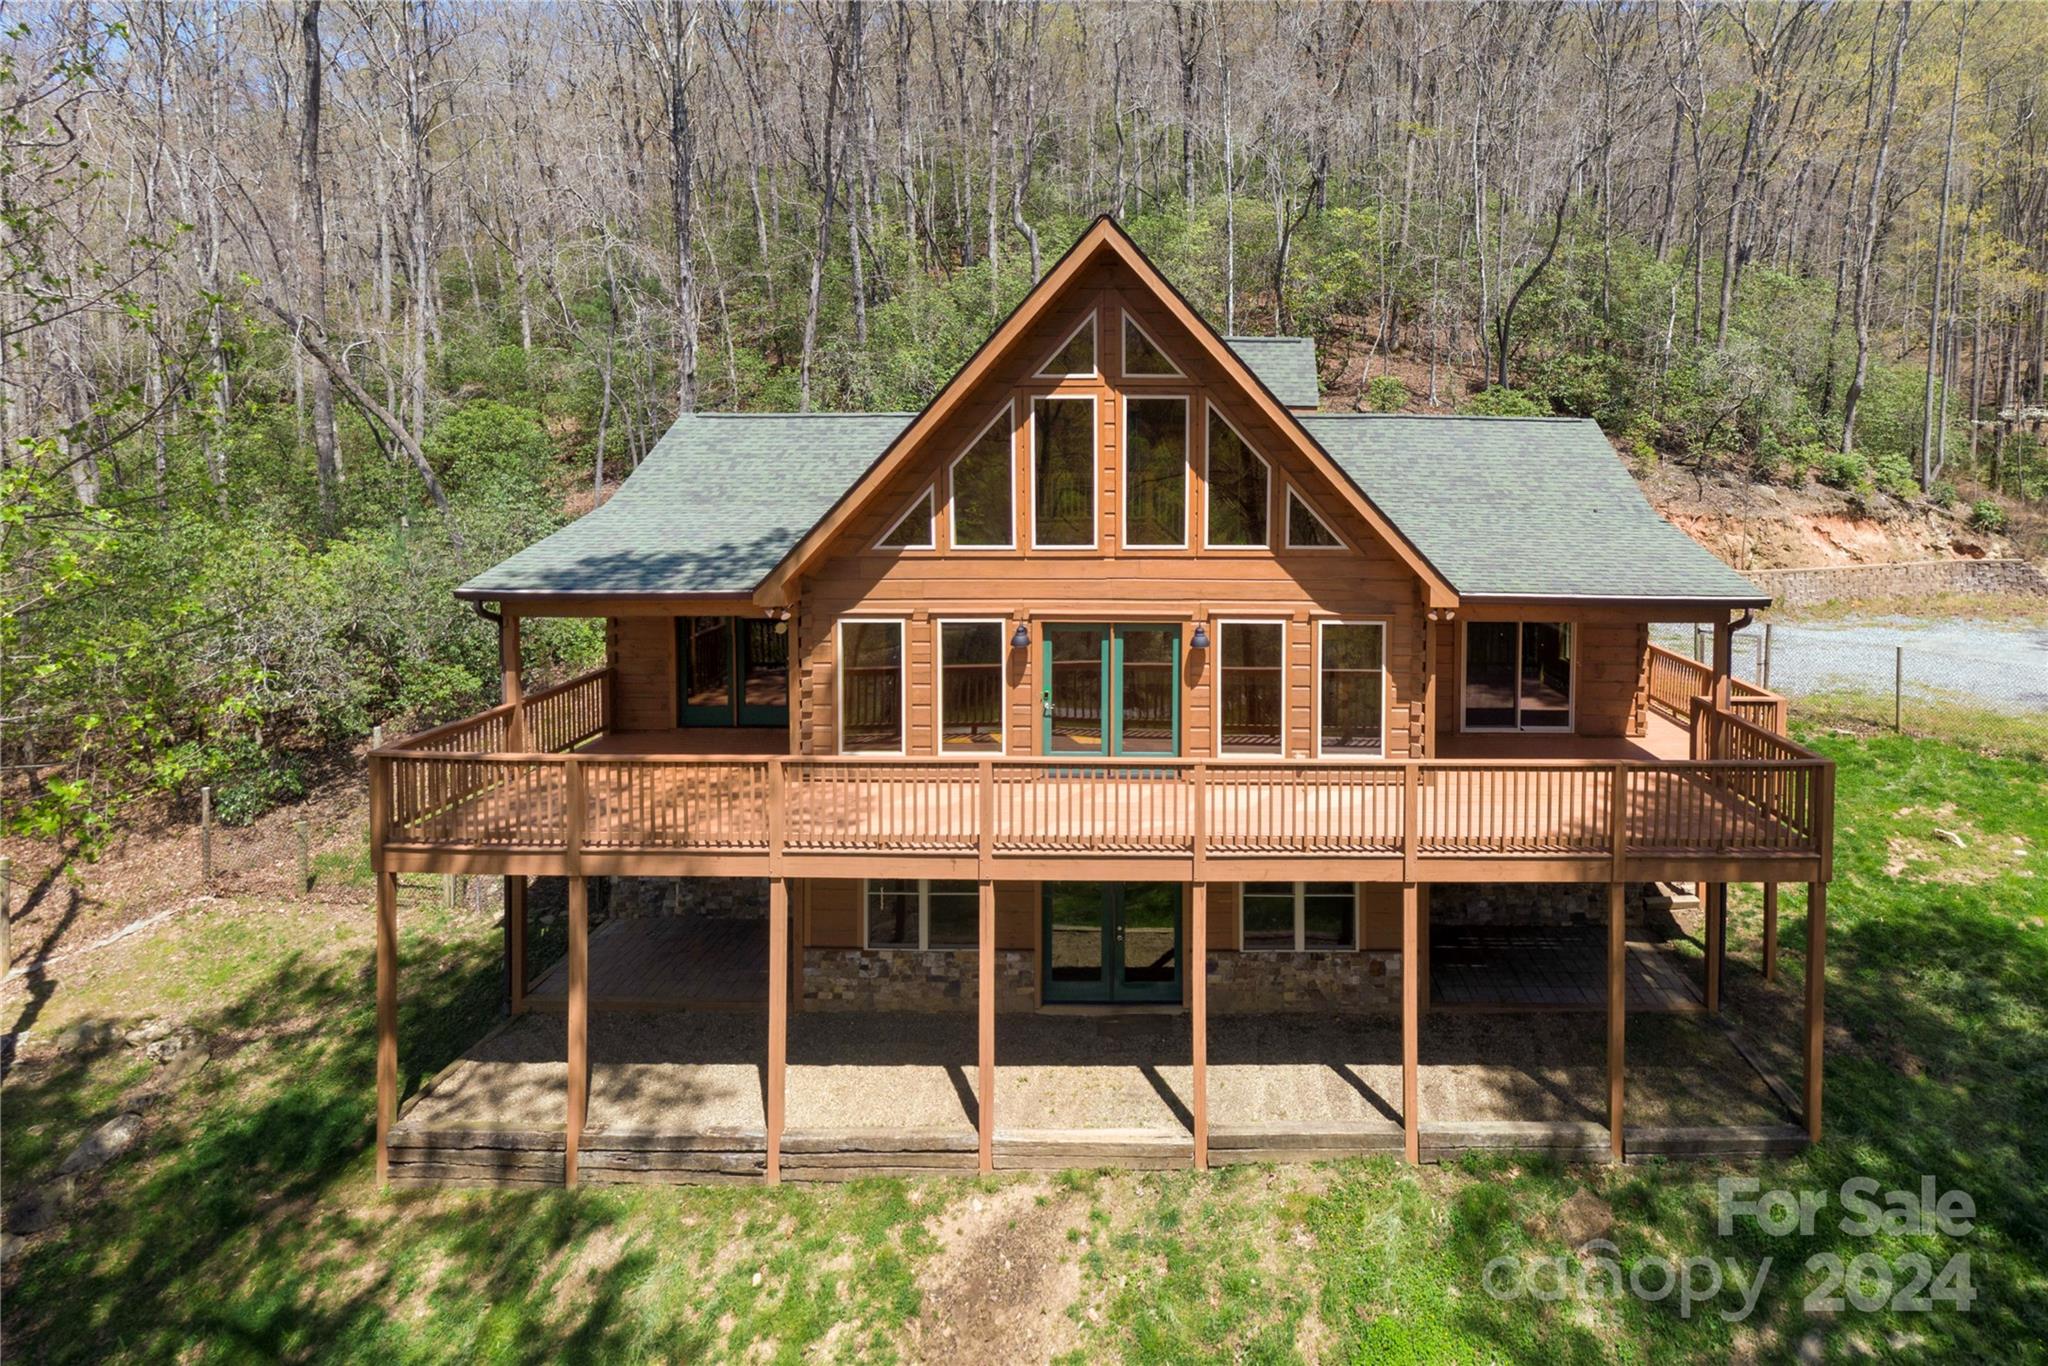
312	310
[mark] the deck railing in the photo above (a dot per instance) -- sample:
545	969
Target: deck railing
1676	679
466	783
1745	791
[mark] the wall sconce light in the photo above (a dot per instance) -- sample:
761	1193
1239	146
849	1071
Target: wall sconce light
1201	640
1021	638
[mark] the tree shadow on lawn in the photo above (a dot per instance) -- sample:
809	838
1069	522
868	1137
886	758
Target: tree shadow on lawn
1937	1066
246	1223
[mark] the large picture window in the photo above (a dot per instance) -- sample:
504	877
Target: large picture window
1297	917
971	687
983	489
1518	675
921	913
1239	489
1351	689
1156	473
1253	684
871	687
1063	472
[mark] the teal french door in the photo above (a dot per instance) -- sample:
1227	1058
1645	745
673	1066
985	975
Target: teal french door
1112	942
731	672
1111	690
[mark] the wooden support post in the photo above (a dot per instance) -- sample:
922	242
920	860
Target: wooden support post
515	943
1197	966
508	669
1617	1012
778	1019
1724	662
1198	1013
387	1019
579	1021
985	999
206	838
1411	1022
1816	991
1714	909
1770	931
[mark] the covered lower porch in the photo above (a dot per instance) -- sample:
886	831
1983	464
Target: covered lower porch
681	1096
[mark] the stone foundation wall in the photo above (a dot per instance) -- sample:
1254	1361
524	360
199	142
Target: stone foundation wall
1525	903
1802	587
1350	983
939	980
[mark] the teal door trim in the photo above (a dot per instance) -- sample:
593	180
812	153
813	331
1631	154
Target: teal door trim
751	714
1112	986
1110	642
735	710
703	715
1102	639
1118	635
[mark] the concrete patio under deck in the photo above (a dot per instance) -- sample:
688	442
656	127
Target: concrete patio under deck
896	1094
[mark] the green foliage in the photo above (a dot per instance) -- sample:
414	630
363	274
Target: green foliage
1986	515
1893	473
1495	401
1386	394
1840	469
249	779
1944	494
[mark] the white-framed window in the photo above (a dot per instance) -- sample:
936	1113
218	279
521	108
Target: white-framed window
1237	489
1351	689
981	485
1517	675
1155	436
871	690
1251	686
912	530
1063	467
972	694
1298	917
1144	358
920	913
1074	357
1306	529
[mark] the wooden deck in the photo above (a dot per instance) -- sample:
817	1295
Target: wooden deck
1757	811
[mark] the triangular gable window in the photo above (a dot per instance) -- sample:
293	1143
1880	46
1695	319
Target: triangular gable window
1076	355
1306	529
1144	357
913	530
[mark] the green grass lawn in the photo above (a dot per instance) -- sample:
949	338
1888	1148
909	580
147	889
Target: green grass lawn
248	1226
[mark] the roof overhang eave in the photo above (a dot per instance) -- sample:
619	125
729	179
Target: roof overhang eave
1708	604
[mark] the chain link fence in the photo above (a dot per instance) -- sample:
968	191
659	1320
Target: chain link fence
1980	683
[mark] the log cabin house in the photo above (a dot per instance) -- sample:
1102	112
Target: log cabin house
1118	678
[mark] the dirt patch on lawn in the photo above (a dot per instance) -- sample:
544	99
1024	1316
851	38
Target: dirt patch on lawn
1006	1271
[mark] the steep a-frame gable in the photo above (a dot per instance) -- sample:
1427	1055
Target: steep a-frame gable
1104	271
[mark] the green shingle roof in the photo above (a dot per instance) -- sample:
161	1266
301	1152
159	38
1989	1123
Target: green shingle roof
1503	507
717	502
1286	365
1523	507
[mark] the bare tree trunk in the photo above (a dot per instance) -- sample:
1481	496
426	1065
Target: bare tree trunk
1867	255
326	454
1930	468
829	190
